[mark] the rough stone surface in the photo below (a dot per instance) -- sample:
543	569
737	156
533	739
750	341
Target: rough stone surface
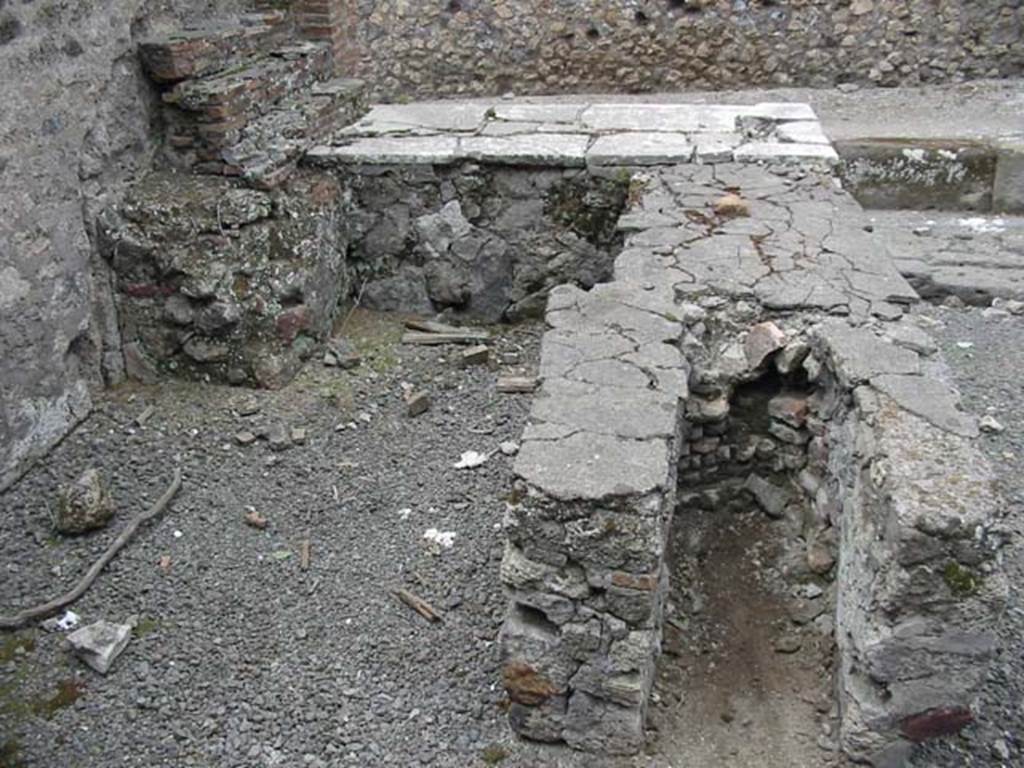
408	51
83	505
68	142
878	457
217	281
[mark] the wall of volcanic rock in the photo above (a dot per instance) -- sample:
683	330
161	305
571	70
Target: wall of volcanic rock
75	124
407	48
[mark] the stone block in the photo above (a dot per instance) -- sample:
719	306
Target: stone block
1008	185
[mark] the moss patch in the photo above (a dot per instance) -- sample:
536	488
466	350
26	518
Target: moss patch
9	750
494	754
146	626
68	692
15	645
961	581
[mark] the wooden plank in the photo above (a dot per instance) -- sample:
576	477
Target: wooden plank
462	336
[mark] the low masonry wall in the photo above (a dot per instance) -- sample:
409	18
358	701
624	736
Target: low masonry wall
755	351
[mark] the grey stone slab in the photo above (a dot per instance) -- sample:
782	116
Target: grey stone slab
443	116
539	113
509	128
588	467
429	150
632	412
641	148
716	147
781	151
596	311
930	399
556	149
562	351
659	117
859	355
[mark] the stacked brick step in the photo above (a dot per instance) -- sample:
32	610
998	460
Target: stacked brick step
240	100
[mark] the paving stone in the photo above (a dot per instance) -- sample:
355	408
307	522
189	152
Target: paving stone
427	150
594	466
640	148
566	150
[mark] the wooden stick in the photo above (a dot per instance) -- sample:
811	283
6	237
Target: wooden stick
418	604
516	384
453	337
304	554
432	326
46	609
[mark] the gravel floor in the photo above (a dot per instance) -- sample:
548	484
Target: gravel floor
989	375
241	658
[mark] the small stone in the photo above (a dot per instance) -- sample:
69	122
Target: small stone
83	505
417	403
100	643
787	644
820	558
1013	306
509	448
847	87
245	437
762	340
731	205
330	360
344	354
478	355
278	437
990	425
249	407
255	520
994	313
298	435
1000	750
922	231
789	409
771	498
791	356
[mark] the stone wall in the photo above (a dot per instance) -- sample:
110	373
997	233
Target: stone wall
75	124
750	349
470	47
481	241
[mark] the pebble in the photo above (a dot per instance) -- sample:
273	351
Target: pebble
787	644
991	425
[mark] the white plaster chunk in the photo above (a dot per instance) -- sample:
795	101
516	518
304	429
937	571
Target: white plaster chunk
100	643
641	148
